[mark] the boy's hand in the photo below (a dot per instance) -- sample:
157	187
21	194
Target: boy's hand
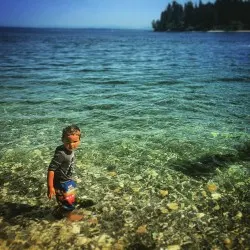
51	192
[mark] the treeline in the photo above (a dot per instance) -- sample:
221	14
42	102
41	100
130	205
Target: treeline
221	15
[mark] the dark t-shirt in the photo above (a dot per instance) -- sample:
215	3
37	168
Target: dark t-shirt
62	164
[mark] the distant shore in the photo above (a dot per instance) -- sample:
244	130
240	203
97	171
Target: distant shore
228	31
210	31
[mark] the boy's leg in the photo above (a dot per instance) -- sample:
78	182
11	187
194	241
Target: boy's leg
66	202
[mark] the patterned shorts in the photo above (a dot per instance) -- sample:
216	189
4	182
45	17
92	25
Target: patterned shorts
66	195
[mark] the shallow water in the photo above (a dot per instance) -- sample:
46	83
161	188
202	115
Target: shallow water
143	99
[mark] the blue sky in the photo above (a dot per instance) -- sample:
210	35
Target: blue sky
81	13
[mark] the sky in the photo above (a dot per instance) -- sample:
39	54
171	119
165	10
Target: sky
135	14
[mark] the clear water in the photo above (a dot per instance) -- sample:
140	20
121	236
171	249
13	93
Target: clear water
181	93
160	110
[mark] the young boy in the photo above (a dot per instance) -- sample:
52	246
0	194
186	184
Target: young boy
60	171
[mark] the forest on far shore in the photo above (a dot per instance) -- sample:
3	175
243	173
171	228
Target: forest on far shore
228	15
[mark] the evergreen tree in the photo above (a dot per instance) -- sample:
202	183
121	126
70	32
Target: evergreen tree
189	15
223	14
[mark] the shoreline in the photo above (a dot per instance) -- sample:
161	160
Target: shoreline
204	31
218	31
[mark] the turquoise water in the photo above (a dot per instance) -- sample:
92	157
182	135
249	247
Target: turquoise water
159	111
155	90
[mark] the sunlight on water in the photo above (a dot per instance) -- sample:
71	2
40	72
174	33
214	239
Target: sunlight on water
148	104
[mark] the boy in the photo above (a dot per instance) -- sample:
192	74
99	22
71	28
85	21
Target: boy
60	171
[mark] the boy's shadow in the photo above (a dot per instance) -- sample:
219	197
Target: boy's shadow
10	211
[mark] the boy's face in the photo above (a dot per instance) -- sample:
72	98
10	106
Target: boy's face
71	142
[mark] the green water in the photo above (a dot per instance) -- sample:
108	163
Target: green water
158	112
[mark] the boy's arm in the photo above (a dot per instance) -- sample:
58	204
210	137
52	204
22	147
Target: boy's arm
50	183
54	164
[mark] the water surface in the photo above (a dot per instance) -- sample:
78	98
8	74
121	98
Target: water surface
151	106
